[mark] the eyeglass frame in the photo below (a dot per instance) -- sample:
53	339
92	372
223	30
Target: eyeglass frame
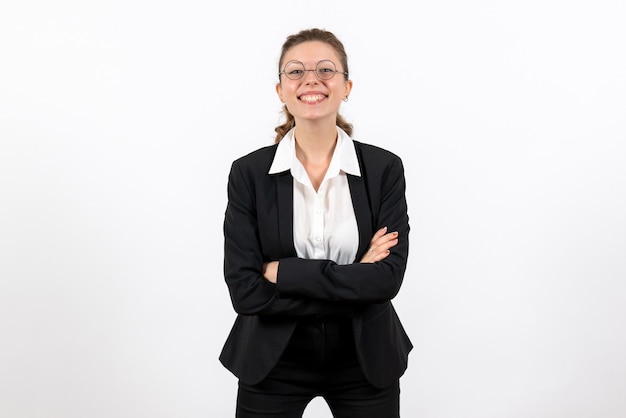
304	70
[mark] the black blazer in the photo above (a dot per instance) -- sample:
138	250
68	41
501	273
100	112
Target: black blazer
258	227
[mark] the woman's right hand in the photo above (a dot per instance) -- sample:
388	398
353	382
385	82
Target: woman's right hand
380	244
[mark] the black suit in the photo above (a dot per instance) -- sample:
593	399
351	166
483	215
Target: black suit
258	228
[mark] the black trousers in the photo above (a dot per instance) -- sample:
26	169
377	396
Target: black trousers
320	360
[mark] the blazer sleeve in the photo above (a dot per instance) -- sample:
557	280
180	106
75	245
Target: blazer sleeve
359	282
250	292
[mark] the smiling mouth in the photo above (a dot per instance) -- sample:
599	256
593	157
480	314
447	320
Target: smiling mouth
312	98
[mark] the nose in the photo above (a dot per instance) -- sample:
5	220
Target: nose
310	76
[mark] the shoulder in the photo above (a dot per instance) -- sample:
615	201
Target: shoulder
250	170
257	160
372	155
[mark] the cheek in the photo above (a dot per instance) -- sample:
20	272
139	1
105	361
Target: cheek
341	92
288	92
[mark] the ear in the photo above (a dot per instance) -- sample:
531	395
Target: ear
347	89
279	91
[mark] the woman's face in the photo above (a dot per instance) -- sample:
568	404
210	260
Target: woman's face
311	98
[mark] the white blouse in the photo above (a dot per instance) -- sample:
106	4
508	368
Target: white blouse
324	223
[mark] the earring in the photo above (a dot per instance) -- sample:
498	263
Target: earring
345	99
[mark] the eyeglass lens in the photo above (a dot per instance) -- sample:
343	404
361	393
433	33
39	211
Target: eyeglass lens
324	70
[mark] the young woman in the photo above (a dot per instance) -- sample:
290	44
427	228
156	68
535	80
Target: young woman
316	245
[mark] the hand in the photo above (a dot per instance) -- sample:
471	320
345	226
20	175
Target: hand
380	244
270	271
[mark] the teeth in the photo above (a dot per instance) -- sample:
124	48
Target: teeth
310	99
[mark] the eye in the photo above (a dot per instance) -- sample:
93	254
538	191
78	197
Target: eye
294	69
325	69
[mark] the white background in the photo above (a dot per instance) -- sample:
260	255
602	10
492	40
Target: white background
118	124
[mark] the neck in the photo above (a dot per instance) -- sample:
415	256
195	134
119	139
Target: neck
315	142
314	149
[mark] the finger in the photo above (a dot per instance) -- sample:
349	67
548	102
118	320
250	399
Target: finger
381	255
381	250
383	240
370	256
380	233
386	247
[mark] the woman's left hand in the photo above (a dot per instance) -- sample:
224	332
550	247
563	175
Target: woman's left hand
380	244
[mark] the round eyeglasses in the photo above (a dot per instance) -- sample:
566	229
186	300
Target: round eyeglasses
324	70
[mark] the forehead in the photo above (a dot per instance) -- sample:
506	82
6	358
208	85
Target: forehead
311	52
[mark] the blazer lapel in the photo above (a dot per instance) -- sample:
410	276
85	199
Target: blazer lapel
360	202
284	192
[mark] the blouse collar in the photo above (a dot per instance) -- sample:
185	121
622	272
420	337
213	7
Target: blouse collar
344	157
